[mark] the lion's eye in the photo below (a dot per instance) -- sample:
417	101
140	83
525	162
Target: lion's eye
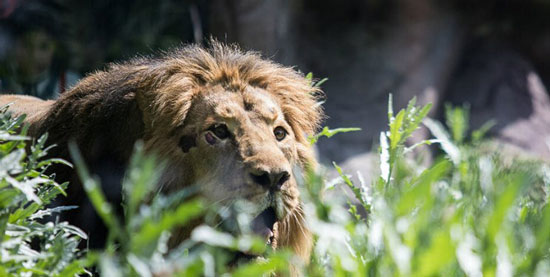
220	130
280	133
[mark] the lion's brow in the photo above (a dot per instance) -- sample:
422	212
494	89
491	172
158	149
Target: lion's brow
267	114
262	105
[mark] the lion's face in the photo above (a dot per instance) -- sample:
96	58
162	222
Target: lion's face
237	145
235	126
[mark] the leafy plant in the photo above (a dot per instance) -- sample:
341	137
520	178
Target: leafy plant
30	244
469	213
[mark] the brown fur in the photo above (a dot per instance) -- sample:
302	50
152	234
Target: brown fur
162	100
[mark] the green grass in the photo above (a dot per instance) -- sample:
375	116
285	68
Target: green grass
470	212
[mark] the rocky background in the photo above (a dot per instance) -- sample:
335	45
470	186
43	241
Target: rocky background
493	55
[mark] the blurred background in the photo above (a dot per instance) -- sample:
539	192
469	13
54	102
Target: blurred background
491	56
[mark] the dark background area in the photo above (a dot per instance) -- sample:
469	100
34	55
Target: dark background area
493	55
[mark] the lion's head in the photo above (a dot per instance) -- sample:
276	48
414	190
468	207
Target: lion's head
238	145
225	120
235	125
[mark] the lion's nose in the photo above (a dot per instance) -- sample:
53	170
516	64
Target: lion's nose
271	180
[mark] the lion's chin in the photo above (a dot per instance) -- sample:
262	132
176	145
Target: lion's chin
263	224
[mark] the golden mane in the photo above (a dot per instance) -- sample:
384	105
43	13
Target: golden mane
234	69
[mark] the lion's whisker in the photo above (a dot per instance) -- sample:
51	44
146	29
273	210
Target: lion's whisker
300	225
220	200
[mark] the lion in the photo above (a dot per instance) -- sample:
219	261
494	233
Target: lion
224	118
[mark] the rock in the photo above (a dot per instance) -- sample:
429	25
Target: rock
500	85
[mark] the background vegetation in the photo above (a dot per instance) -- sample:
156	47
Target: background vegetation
471	212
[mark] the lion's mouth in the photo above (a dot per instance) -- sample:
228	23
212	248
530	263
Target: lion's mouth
262	225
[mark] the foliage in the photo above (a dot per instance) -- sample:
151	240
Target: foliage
315	83
469	213
29	244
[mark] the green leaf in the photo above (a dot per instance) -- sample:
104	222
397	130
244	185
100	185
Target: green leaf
437	256
320	82
395	130
326	132
276	263
384	158
53	161
152	229
28	187
420	190
356	191
479	134
503	205
443	139
457	120
7	196
140	179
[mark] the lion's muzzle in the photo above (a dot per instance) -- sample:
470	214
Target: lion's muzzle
271	180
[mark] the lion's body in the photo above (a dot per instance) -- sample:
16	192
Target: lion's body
173	103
